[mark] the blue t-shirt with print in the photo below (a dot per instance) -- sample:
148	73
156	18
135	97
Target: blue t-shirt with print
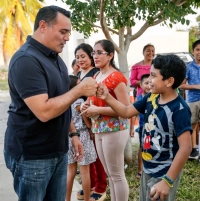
163	124
193	77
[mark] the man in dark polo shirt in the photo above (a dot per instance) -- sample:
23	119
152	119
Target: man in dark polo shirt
36	139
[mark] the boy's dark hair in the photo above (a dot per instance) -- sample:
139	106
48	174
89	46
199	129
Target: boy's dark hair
147	45
144	77
73	62
87	49
170	66
49	15
197	42
108	47
73	81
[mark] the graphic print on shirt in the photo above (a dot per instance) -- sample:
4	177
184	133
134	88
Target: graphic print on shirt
149	137
163	124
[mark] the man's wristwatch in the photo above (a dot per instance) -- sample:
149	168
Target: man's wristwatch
74	134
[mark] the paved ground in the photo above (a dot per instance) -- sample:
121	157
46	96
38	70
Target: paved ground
6	187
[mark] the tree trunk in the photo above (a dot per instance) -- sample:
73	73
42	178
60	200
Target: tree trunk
123	65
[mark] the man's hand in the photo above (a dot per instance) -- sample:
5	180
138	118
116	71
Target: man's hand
88	87
159	191
102	91
78	148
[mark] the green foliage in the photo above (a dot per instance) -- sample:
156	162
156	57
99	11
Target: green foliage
119	13
194	33
4	80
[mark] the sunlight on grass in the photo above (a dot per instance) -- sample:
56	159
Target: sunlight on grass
3	80
4	85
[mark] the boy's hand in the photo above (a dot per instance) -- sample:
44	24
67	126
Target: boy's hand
102	91
159	191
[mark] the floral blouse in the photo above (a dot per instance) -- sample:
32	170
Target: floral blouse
105	123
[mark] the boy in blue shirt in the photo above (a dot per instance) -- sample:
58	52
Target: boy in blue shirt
166	137
192	84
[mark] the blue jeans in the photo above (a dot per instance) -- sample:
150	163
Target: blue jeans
39	180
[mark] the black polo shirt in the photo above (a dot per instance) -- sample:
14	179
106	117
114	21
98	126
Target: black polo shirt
35	69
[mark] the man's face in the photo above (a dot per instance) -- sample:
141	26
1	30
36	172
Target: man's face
196	53
57	34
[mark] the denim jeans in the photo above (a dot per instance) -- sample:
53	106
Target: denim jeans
39	180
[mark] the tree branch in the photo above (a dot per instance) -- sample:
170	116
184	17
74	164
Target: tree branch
129	30
147	25
104	26
137	4
121	38
94	25
178	2
144	28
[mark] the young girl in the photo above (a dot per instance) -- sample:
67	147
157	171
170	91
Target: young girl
82	124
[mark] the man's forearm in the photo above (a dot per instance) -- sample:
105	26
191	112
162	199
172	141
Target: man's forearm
56	106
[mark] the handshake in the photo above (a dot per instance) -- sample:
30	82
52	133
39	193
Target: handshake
89	87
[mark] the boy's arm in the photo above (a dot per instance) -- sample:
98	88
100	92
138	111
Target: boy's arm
185	146
132	123
186	86
119	108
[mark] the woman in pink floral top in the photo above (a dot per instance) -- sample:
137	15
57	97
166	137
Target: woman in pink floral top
142	67
111	131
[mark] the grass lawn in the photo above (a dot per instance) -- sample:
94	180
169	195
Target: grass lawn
189	188
4	85
3	80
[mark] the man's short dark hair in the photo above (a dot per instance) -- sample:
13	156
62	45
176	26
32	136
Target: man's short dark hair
49	15
171	66
197	42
